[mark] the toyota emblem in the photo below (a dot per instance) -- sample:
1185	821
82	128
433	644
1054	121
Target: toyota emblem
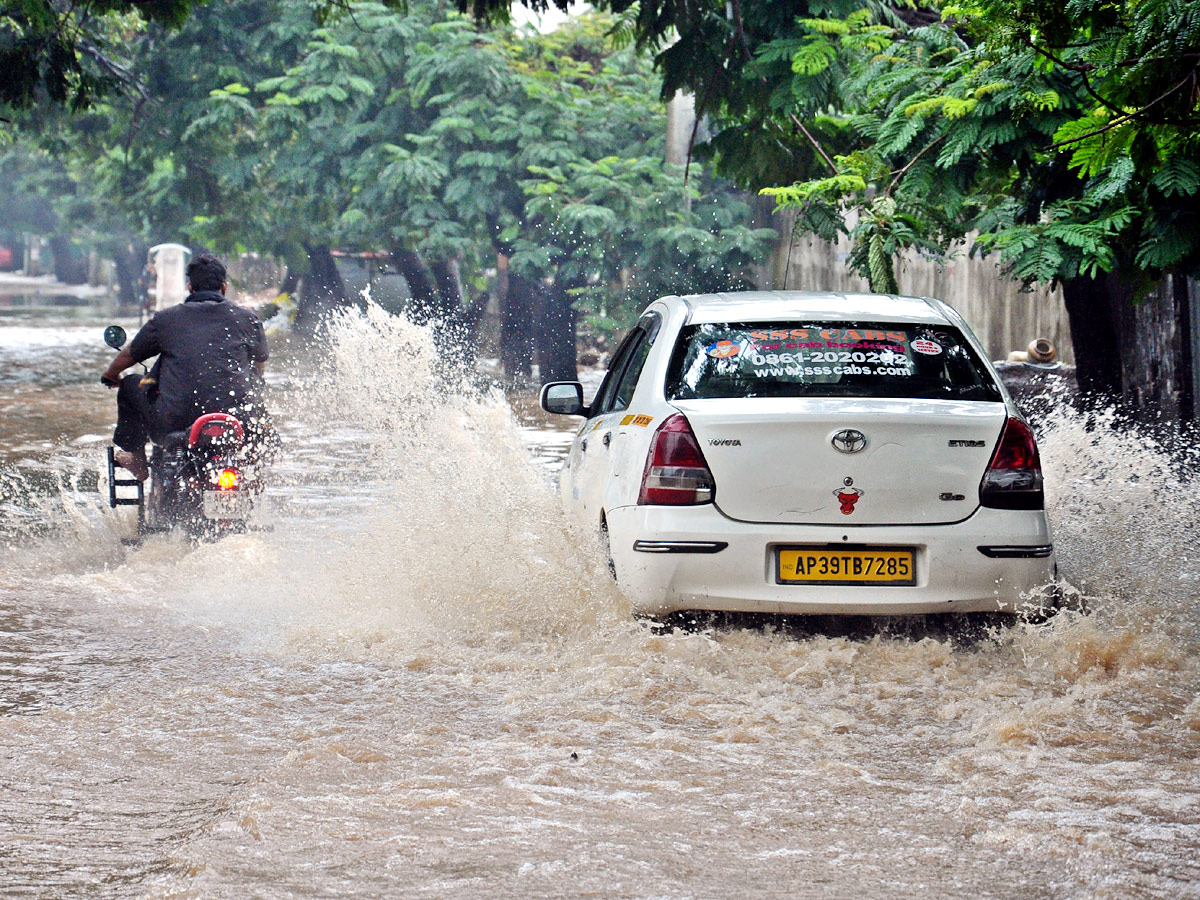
849	441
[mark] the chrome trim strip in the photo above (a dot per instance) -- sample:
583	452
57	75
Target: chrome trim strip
679	546
1038	551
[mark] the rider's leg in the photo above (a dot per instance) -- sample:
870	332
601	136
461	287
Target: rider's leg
134	417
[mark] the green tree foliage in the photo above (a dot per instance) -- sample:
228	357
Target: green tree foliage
1065	138
1064	135
68	54
137	160
462	143
1132	139
277	127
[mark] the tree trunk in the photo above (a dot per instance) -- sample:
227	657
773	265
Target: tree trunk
1187	303
1156	373
1137	351
322	289
291	281
449	286
66	269
129	262
420	284
555	336
516	327
1090	306
458	322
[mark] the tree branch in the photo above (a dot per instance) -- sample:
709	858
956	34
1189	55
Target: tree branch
812	140
1121	119
1083	71
912	162
118	71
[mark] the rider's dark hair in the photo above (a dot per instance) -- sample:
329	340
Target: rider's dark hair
206	273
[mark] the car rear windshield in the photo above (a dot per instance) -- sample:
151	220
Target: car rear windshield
827	359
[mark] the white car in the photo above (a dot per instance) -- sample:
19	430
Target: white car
807	452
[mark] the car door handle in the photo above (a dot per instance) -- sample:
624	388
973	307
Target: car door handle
583	446
607	439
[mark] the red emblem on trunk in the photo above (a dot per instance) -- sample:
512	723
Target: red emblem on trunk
847	496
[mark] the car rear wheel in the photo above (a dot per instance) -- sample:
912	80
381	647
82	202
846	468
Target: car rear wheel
604	541
1047	602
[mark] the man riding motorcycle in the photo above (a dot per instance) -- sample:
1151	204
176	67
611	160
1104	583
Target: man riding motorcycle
211	358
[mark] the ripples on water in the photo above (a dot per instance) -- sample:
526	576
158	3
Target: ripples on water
420	683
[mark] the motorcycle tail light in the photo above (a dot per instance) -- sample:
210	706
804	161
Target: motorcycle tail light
228	480
676	472
1013	479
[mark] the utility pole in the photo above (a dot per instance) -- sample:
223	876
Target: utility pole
681	127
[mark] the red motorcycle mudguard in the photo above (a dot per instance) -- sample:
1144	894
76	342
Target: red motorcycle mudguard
215	428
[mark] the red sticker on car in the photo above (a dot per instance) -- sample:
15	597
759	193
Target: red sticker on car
723	349
847	497
929	348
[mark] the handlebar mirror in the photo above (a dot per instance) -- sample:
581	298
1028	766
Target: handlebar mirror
114	336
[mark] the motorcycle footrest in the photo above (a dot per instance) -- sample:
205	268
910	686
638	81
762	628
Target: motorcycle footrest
114	482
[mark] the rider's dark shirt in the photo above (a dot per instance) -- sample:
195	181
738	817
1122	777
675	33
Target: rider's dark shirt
207	348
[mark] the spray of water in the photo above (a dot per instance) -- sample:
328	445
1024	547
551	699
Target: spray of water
430	517
409	501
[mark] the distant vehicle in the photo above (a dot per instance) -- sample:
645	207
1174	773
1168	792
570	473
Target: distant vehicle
7	259
807	452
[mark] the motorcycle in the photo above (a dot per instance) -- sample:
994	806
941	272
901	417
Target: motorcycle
204	480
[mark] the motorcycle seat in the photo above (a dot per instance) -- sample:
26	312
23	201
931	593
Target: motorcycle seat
175	440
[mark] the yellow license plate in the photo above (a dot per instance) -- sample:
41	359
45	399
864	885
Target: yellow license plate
825	565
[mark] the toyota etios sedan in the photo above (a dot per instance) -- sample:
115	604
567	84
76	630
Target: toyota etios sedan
807	452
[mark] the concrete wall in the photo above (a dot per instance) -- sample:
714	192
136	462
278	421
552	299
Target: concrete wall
1001	315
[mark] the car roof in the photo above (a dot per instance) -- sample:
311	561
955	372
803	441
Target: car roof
835	306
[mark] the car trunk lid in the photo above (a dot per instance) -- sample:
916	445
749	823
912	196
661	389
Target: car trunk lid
774	459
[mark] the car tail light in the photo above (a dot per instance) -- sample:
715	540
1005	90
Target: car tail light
228	480
1013	479
676	473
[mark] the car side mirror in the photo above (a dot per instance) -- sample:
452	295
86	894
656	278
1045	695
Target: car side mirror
563	398
114	336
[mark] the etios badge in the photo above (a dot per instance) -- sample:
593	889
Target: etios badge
849	441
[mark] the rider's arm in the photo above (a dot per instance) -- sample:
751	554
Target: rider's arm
259	351
112	375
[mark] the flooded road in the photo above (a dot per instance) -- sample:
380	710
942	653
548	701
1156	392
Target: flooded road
421	683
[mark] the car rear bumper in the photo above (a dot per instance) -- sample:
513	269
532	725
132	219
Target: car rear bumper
670	559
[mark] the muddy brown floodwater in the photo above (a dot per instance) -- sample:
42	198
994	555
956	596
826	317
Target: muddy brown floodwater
421	683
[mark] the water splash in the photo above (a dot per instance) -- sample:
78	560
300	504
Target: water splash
431	519
1122	509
